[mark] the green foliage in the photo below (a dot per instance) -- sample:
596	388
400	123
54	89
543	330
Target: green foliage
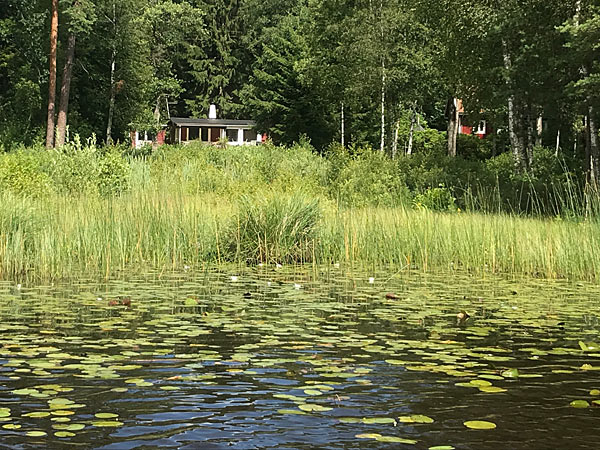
113	174
436	199
274	228
369	178
473	148
21	172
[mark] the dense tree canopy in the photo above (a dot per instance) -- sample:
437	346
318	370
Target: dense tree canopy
365	72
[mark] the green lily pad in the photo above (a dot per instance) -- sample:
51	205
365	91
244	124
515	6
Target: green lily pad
4	412
480	383
291	411
107	423
63	412
106	415
64	434
416	418
11	426
311	407
492	389
510	373
312	392
37	414
579	404
479	425
36	433
595	392
396	439
380	420
368	436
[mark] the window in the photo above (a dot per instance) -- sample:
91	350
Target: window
232	134
204	134
249	135
481	127
194	133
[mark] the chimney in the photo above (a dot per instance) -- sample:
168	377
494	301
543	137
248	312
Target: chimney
212	112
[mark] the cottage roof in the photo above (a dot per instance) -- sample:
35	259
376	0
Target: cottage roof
214	123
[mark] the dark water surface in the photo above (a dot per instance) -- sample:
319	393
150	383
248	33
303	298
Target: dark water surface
293	358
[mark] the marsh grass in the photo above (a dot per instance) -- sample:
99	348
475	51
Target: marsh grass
193	207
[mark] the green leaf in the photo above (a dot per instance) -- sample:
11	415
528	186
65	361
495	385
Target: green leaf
579	404
479	425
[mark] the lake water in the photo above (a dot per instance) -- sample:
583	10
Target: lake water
300	358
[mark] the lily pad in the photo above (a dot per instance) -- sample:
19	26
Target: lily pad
368	436
311	407
380	420
396	440
106	415
479	425
291	411
579	404
492	389
37	414
107	423
36	433
64	434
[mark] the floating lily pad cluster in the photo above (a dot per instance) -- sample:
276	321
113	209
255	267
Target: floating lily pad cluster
339	354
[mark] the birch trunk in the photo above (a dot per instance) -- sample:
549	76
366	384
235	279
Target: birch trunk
453	118
343	128
111	105
395	143
65	90
52	79
594	156
411	134
539	129
514	117
113	88
382	146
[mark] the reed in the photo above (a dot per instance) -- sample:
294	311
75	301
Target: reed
193	207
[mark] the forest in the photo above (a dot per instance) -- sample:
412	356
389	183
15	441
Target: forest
359	73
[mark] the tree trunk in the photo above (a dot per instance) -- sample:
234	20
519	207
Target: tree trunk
382	146
594	156
411	134
514	118
530	136
52	79
588	145
113	88
343	128
539	129
111	105
453	125
395	144
65	89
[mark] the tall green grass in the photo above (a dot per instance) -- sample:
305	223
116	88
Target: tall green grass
63	238
195	206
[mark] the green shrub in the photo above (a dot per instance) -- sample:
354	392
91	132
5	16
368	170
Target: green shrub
473	148
370	178
113	174
274	229
74	172
436	199
22	173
